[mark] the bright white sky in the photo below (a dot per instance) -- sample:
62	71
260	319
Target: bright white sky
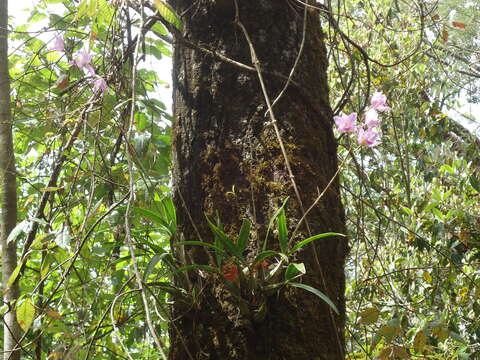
467	114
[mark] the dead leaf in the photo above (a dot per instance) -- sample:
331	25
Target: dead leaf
459	25
445	35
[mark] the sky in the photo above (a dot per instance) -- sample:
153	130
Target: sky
466	113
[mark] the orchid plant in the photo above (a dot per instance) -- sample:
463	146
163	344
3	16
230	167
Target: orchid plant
249	279
368	133
83	60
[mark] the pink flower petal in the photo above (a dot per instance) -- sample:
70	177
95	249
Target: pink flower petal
346	123
58	44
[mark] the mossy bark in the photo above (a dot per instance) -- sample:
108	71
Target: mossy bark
228	163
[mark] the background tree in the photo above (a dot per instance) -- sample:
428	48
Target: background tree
8	197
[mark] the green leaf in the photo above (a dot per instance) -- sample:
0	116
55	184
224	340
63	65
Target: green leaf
263	255
82	9
369	316
63	239
474	182
407	210
168	14
282	231
430	206
420	341
25	314
41	240
150	215
313	238
151	265
320	294
447	168
159	28
390	330
294	270
170	211
242	240
219	254
156	218
270	223
199	243
438	214
22	227
223	238
14	274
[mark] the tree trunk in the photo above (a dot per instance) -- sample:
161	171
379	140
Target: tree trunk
8	195
228	164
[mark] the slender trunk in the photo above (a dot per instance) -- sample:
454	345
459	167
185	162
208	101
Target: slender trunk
228	162
8	195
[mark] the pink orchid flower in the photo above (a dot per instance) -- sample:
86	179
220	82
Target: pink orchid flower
346	123
371	118
379	101
82	60
368	138
100	85
58	44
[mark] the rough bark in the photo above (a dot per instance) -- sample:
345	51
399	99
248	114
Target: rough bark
8	195
227	161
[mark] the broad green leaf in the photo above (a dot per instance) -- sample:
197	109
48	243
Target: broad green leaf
41	240
475	182
430	206
419	342
407	210
14	274
242	240
151	265
168	14
155	217
369	316
390	330
150	215
282	231
22	227
294	270
320	294
51	188
63	239
438	214
159	28
25	314
447	169
82	9
313	238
